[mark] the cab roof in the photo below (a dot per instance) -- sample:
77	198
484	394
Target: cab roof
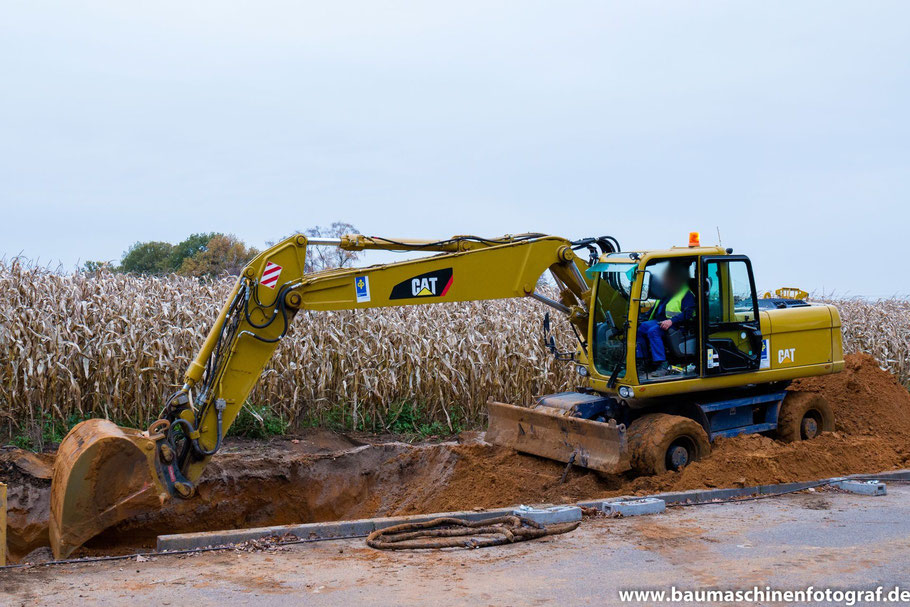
632	256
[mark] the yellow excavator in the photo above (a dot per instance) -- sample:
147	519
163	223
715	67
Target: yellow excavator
726	368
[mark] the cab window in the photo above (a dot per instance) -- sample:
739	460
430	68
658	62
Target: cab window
613	287
668	292
733	337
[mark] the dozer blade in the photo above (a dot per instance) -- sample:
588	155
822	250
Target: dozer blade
548	433
103	474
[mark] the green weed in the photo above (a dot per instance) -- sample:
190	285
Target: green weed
258	421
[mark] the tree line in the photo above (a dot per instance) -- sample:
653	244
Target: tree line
207	254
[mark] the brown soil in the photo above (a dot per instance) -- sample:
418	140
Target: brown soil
28	479
324	476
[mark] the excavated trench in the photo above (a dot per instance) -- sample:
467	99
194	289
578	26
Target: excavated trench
323	476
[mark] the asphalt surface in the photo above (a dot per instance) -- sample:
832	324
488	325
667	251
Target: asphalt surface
821	539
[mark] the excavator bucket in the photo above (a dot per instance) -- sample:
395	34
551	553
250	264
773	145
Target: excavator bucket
553	434
103	474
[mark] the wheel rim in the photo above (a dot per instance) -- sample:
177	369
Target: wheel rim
808	428
680	453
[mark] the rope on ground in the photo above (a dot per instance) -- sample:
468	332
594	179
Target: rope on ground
450	532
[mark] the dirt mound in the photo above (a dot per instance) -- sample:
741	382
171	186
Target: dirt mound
486	476
324	476
872	434
867	400
872	422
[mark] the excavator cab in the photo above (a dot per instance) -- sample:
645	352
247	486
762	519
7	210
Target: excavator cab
721	334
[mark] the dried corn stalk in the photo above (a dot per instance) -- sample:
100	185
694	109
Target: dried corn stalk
78	345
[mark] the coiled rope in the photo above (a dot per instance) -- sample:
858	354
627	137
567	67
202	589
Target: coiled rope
458	533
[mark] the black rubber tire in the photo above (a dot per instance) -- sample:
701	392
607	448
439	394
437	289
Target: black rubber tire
650	437
798	406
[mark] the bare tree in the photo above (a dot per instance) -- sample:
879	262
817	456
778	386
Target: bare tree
324	258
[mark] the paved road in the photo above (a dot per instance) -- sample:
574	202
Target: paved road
819	539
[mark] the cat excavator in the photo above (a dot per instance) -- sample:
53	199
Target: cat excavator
729	364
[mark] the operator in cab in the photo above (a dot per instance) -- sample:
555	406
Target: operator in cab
675	306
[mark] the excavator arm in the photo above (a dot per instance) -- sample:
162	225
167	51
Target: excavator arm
274	287
104	474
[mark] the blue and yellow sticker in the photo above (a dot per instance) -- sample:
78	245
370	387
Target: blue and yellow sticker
362	288
765	354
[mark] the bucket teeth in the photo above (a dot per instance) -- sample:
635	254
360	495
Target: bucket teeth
103	474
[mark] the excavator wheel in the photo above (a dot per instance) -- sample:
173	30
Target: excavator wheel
659	442
803	416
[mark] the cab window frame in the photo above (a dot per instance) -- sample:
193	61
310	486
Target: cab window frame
648	276
706	326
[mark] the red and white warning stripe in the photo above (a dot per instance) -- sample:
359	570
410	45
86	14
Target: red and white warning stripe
270	275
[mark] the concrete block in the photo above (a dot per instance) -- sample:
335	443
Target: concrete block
599	504
635	507
786	487
549	516
861	487
903	475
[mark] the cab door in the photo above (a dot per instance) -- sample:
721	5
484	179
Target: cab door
730	323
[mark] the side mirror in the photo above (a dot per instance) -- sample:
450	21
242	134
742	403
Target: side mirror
645	286
549	342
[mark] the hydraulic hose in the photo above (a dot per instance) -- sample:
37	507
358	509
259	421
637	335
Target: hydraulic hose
189	430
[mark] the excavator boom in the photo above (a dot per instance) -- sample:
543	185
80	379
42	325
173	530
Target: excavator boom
105	474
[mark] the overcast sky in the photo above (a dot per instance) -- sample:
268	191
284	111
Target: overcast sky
782	124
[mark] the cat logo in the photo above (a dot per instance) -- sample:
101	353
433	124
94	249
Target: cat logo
786	355
431	284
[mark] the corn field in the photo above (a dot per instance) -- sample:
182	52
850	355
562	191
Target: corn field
82	345
112	345
880	328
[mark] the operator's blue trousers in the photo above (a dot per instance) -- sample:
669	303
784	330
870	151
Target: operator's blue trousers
651	332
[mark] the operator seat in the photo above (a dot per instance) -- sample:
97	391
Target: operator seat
681	341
